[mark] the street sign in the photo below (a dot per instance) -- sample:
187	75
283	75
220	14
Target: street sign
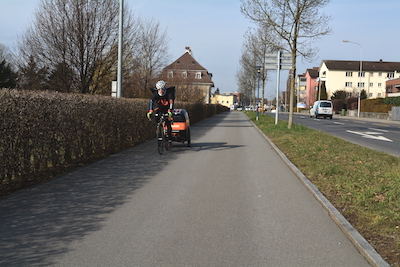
271	60
286	67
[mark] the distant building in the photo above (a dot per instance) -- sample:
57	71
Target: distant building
312	86
346	76
193	82
393	87
226	100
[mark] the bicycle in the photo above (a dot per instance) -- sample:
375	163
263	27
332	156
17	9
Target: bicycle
162	133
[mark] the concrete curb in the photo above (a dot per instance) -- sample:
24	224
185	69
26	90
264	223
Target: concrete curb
358	240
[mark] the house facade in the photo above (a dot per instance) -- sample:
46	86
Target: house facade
312	86
193	82
301	82
393	87
346	76
225	99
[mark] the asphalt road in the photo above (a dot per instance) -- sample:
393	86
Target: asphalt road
380	135
229	200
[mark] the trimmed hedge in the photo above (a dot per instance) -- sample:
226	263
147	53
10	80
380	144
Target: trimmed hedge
45	133
376	105
395	101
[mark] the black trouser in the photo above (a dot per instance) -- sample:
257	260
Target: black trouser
157	115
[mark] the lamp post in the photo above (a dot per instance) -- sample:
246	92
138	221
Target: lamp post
360	75
258	89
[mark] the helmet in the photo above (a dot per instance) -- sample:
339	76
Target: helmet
160	85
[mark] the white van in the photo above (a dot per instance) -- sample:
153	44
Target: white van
322	108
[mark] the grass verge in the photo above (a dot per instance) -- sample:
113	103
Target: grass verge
361	183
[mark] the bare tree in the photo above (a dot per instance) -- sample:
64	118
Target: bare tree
247	76
297	23
74	39
149	56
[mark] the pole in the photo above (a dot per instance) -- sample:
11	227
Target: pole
120	48
278	74
258	90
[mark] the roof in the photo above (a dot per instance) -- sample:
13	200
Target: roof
187	63
375	66
313	73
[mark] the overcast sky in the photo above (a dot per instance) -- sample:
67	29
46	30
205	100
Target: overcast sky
214	30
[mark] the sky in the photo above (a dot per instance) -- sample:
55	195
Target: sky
214	30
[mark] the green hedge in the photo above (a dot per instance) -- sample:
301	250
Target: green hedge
43	134
395	101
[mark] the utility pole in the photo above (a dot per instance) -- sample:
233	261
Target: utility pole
120	47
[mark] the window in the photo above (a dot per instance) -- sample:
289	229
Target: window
371	84
171	74
349	84
379	84
361	85
370	95
390	75
198	75
371	74
379	95
184	74
361	74
349	74
380	74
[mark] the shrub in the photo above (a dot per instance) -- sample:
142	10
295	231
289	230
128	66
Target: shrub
350	103
395	101
338	105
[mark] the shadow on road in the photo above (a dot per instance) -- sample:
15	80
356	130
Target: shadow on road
37	224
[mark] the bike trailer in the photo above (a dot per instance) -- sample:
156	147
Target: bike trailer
181	125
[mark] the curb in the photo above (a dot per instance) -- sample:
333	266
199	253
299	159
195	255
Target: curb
352	234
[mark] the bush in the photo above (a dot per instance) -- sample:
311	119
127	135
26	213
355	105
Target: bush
395	101
45	133
338	105
376	105
352	103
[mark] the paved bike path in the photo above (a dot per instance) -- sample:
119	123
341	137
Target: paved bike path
229	200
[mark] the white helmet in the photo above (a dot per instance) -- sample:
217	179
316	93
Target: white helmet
160	85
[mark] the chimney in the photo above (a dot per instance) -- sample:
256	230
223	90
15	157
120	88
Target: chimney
188	50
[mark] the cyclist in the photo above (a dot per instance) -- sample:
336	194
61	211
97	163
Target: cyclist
162	102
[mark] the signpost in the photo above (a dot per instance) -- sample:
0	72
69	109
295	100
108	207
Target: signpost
279	61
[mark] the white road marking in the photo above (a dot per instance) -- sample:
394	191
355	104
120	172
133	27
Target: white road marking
380	130
371	135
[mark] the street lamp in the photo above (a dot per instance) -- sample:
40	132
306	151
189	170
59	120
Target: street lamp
360	74
258	90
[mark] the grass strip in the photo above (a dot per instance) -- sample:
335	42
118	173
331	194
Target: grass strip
363	184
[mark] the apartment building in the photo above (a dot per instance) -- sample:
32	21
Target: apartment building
346	76
312	86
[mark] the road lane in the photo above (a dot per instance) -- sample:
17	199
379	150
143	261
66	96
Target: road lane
378	135
229	200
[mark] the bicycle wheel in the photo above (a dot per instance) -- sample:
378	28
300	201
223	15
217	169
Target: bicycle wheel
160	138
166	139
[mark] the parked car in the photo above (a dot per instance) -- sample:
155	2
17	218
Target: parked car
322	108
240	108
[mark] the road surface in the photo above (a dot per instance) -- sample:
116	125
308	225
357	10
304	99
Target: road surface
229	200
